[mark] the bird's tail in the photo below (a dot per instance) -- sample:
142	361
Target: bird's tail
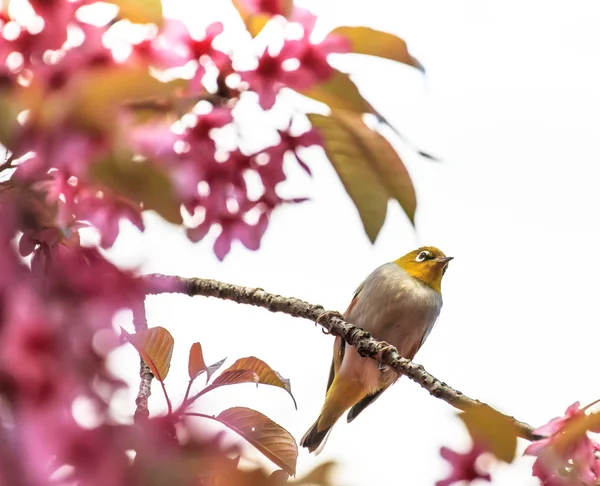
342	395
314	439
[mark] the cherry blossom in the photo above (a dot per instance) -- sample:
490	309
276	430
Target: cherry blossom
464	466
558	463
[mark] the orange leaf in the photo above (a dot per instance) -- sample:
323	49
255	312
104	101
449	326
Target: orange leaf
266	375
376	43
234	377
492	429
196	364
255	20
140	11
155	346
269	438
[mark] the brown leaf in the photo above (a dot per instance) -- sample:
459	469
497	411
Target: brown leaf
140	11
234	377
266	375
368	166
376	43
196	364
493	430
339	92
140	182
269	438
155	346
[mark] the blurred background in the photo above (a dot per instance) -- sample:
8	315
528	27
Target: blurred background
510	104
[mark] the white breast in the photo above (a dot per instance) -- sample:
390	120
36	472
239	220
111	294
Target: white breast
393	307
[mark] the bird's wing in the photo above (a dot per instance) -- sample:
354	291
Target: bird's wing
339	346
364	403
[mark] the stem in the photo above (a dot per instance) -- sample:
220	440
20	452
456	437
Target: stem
187	391
141	411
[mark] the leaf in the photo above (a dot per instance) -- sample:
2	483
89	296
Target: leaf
234	377
492	429
140	11
141	182
368	166
214	367
105	90
269	438
155	346
339	92
320	475
266	375
365	40
196	364
254	19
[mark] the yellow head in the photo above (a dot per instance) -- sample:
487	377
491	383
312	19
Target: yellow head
427	264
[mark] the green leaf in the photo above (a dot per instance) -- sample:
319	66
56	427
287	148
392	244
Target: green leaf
141	182
266	436
376	43
155	346
266	375
339	92
493	430
140	11
368	166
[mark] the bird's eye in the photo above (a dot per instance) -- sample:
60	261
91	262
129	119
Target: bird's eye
424	255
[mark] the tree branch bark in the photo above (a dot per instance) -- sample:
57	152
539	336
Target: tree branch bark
142	411
333	323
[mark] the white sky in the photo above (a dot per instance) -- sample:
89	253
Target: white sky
511	104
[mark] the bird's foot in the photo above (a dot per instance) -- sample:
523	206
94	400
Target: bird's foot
325	316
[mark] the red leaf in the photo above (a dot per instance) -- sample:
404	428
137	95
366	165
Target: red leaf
269	438
155	346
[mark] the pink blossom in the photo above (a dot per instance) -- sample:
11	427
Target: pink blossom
268	78
289	144
270	7
233	227
175	46
567	464
199	136
104	211
312	56
464	466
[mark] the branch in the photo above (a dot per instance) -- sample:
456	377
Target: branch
141	411
362	340
179	104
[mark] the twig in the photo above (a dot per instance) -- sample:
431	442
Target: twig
142	412
362	340
175	103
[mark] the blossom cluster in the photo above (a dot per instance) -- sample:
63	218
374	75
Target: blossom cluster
76	142
55	81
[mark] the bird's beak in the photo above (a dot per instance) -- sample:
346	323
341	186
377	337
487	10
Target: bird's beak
444	259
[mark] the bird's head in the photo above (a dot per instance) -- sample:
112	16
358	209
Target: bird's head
427	264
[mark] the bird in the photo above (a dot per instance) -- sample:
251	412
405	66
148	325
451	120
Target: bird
399	302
